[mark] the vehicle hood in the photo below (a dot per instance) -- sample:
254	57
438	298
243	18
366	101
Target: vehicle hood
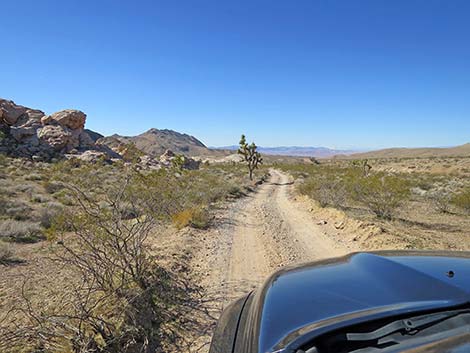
298	304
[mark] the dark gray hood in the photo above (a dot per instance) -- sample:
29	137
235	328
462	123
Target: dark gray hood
296	305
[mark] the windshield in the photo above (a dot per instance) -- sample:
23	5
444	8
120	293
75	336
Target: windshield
394	335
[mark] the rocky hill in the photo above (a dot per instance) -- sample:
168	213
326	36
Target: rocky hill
30	133
155	142
425	152
26	132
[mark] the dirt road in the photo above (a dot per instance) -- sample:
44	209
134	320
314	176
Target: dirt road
271	231
254	237
259	234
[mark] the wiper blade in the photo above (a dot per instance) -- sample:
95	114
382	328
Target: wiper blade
409	326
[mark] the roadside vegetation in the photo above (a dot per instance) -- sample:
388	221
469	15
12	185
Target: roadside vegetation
84	234
417	202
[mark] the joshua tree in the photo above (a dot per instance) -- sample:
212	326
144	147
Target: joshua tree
251	156
364	165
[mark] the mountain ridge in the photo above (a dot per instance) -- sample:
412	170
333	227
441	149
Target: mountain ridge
295	151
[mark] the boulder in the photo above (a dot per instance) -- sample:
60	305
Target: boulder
85	141
167	158
148	162
93	156
22	132
31	117
58	137
70	118
11	111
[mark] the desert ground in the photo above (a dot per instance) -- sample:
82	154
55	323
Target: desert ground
219	234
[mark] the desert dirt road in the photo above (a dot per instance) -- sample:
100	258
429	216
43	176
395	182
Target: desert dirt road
270	230
257	235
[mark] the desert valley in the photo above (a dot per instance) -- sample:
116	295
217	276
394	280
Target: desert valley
120	241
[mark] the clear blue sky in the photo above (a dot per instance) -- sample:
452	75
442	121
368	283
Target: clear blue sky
349	73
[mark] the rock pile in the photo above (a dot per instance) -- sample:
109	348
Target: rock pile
31	133
169	158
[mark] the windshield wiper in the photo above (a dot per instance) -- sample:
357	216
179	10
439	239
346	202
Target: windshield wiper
408	326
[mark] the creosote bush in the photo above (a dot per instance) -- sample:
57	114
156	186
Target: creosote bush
115	296
338	186
326	192
382	194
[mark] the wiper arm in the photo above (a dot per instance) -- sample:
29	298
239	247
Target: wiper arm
410	326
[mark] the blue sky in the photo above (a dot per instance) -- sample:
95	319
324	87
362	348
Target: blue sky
342	74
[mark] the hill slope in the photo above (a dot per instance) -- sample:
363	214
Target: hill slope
458	151
154	142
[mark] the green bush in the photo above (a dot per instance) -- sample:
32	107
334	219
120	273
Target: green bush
382	194
327	192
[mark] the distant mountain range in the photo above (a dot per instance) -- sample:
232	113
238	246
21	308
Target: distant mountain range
296	151
423	152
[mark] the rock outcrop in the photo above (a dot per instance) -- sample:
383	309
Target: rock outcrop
169	158
31	133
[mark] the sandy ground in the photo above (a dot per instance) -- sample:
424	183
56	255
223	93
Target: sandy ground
255	236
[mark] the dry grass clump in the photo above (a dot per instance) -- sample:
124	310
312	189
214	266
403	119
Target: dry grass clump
194	217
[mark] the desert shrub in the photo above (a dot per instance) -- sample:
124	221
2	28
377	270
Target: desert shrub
194	217
117	299
3	204
20	231
462	200
129	211
18	210
52	187
235	191
326	192
49	213
441	200
26	188
382	194
6	253
39	198
33	177
64	197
